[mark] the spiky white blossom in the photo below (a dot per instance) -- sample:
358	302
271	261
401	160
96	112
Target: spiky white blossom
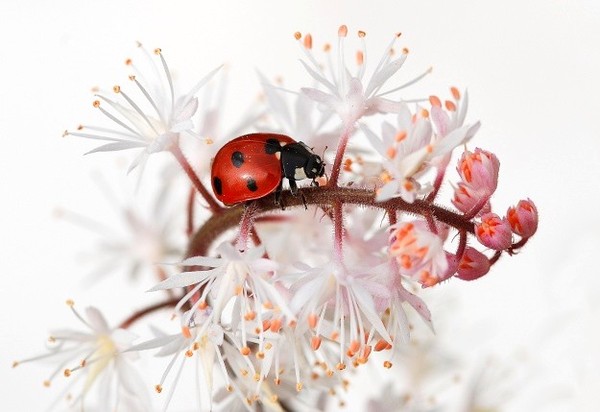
347	92
153	124
337	305
239	278
94	362
146	236
198	336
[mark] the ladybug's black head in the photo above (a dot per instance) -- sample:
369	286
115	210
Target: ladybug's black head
314	167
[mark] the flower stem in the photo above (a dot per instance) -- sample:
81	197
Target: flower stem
320	196
190	213
339	155
338	225
187	168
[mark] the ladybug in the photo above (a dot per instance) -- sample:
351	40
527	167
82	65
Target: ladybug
254	165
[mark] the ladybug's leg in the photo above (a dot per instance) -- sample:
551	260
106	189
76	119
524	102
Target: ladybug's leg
278	195
293	186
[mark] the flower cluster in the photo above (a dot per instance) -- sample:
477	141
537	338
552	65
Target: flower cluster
277	302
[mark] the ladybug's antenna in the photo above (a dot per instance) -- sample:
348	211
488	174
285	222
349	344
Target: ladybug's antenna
324	150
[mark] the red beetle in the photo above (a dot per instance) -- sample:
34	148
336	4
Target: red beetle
254	165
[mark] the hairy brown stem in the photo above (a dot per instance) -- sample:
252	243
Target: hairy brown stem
187	168
228	218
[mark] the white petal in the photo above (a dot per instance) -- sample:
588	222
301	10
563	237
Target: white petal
454	139
182	126
306	292
203	81
320	78
187	111
96	320
387	191
203	261
155	343
375	141
112	147
418	304
367	307
184	279
410	164
381	105
319	96
384	74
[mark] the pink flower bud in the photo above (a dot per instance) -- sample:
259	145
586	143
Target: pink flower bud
466	199
479	169
494	232
473	265
523	218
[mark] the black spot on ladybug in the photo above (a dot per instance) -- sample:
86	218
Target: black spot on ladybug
218	185
251	185
272	146
237	158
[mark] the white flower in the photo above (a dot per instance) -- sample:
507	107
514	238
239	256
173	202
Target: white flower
154	124
347	94
145	237
450	130
404	150
198	336
95	363
242	279
339	305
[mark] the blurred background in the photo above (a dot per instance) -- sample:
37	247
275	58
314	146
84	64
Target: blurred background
528	332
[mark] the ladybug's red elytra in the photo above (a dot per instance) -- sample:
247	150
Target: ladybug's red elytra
254	165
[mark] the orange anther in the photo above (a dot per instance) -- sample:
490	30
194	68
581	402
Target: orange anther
361	33
401	135
276	325
391	152
360	57
343	31
312	320
315	342
185	331
308	41
381	345
245	351
297	35
266	324
450	106
435	101
455	93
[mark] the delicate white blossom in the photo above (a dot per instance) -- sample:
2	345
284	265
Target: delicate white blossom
95	364
155	123
346	91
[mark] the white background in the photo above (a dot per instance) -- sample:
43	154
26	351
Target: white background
532	72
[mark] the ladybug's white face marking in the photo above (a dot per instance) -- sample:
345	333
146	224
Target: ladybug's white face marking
299	174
